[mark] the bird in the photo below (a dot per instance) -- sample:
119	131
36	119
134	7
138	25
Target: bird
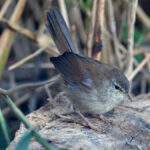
92	86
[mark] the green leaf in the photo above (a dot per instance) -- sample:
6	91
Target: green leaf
139	57
139	37
24	142
3	126
85	4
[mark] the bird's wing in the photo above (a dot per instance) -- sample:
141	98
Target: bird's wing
70	65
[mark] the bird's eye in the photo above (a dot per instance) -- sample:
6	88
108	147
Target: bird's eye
117	87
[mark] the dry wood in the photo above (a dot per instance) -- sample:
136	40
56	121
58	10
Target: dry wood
131	129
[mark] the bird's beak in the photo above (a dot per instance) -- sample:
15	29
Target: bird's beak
129	97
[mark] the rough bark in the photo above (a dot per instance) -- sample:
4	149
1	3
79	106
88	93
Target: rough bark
131	129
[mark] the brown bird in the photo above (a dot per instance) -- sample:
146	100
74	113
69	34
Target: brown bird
92	86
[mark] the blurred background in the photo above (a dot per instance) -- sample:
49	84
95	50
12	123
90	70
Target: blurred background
116	32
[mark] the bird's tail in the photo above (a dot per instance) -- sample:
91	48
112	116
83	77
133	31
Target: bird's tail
59	31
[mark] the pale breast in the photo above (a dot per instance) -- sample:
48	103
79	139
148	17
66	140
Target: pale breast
96	101
86	102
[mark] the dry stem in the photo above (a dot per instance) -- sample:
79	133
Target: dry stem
143	16
131	22
92	26
98	33
112	26
4	8
139	67
7	37
19	29
64	11
29	86
22	61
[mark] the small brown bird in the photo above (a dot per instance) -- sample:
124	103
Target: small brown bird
92	86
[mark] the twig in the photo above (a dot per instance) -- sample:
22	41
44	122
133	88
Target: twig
123	17
29	34
21	117
4	8
13	83
64	11
19	29
46	42
136	63
131	21
107	50
112	26
22	61
29	86
91	31
98	33
76	19
48	91
139	67
143	16
47	65
148	62
18	102
139	51
7	37
121	46
74	37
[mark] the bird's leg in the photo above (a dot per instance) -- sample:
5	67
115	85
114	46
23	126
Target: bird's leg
105	119
89	124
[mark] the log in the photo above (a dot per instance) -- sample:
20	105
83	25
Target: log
63	129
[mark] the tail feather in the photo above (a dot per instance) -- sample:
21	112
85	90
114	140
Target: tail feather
59	31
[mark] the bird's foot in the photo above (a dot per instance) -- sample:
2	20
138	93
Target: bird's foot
89	124
101	117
